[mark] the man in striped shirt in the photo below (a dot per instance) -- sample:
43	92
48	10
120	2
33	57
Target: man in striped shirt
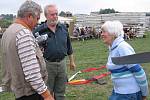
23	63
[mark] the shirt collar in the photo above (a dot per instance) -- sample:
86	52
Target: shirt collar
58	24
116	42
22	23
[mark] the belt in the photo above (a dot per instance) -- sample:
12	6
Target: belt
55	60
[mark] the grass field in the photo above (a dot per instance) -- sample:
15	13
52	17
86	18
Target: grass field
93	53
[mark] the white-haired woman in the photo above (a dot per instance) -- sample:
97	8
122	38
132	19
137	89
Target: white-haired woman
129	80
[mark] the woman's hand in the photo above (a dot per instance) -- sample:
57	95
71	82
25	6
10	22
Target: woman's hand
143	97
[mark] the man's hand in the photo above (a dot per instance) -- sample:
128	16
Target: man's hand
72	66
143	97
47	95
49	98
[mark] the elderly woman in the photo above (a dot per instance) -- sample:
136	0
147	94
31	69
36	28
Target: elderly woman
129	80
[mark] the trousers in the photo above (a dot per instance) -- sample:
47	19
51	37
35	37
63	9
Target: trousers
57	78
133	96
31	97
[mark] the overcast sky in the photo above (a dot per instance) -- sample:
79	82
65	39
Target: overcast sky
81	6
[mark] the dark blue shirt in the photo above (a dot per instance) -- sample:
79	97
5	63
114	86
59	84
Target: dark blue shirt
58	44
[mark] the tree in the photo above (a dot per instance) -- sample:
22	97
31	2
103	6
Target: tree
8	16
148	14
4	23
6	20
62	13
65	14
107	11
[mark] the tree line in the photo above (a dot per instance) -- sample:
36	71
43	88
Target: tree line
107	11
6	20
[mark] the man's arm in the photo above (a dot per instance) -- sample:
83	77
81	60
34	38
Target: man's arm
31	68
70	53
72	63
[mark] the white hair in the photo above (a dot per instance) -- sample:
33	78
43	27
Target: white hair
29	7
46	9
113	28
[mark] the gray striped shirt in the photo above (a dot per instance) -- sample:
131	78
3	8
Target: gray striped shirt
26	45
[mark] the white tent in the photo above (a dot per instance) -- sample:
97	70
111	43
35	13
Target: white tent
64	19
61	19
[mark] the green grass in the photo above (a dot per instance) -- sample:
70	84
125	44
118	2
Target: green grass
93	53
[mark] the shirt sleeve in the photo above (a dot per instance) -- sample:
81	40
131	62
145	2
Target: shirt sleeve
136	69
69	46
25	43
124	50
140	77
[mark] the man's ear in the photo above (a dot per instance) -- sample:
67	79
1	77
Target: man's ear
29	15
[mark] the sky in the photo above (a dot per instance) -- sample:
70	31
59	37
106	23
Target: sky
81	6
